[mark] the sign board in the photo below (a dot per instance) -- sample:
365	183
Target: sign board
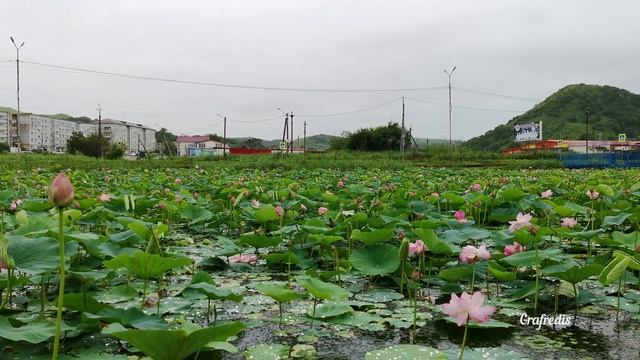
622	137
529	132
283	145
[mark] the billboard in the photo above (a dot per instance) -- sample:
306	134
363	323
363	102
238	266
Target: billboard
529	132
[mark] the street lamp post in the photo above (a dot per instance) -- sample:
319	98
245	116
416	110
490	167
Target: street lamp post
224	135
450	108
18	47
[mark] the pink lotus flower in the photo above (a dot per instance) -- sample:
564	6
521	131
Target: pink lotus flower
340	183
546	194
435	195
279	211
569	222
61	191
460	217
592	194
417	247
322	210
177	181
14	205
471	254
522	220
415	275
512	249
104	198
242	258
468	307
475	187
255	203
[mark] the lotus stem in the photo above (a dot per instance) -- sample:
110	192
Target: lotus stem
313	314
7	296
618	306
575	294
280	308
56	341
215	314
473	278
464	338
535	296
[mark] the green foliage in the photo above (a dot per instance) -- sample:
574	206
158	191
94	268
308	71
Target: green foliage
4	147
611	111
381	138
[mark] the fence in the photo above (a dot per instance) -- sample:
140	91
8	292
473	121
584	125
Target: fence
603	160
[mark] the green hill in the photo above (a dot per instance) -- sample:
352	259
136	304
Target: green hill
611	111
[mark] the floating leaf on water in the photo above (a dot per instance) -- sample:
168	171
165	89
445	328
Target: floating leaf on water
406	352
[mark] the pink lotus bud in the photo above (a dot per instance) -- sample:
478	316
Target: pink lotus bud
475	187
460	217
340	184
279	211
303	208
435	195
61	191
104	198
322	210
400	235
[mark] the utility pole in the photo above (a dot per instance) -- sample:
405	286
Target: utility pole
450	107
17	89
224	136
304	141
285	132
402	133
586	121
100	131
292	135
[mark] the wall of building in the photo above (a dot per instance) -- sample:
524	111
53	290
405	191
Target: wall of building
4	127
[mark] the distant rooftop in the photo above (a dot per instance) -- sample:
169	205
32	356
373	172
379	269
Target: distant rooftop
121	122
191	139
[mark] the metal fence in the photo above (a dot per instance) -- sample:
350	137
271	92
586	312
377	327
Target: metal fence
603	160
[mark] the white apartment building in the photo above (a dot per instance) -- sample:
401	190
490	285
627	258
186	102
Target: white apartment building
39	132
134	137
4	127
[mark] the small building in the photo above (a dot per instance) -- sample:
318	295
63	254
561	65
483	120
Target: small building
134	137
577	146
199	145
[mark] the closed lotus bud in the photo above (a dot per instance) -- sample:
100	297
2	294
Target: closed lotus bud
61	191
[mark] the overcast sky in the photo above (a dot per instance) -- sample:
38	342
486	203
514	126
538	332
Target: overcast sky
526	49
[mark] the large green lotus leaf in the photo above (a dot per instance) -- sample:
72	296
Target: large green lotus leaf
266	213
259	241
36	205
564	211
131	317
614	269
176	344
456	273
83	302
500	273
195	213
34	333
376	260
605	189
146	265
616	220
372	237
454	199
630	240
526	290
528	258
330	309
35	256
577	274
512	194
267	352
323	290
325	239
216	293
430	239
278	293
406	352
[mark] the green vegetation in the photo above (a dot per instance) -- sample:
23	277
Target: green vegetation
611	111
381	138
90	146
323	261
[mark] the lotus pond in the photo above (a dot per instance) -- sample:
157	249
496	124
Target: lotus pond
213	263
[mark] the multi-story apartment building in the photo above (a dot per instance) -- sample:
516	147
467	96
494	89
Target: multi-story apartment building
39	132
134	137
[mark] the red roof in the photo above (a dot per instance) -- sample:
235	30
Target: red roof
191	139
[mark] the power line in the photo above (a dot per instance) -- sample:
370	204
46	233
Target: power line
465	107
238	86
351	112
493	94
